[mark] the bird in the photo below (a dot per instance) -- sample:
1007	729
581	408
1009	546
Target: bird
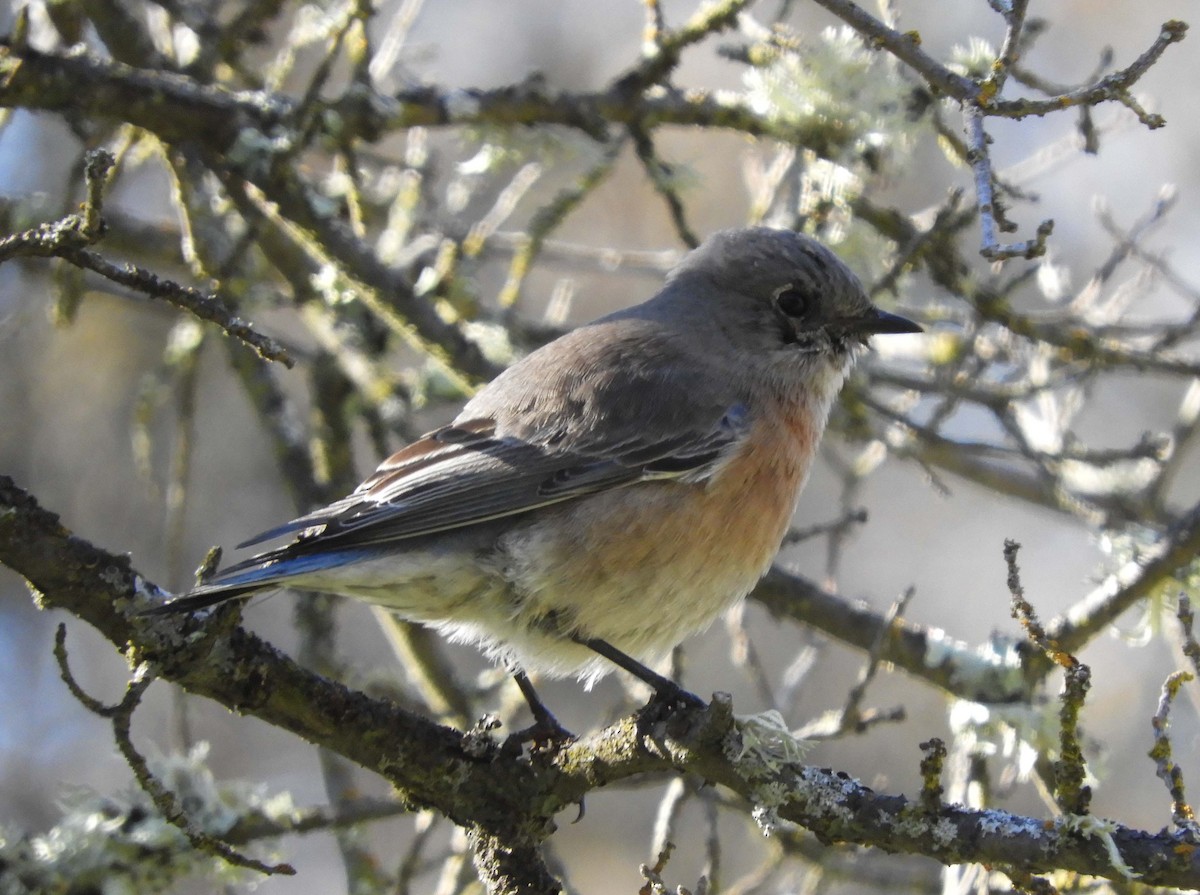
613	491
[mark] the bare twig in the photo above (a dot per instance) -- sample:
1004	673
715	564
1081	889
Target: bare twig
1014	13
1112	88
848	521
68	239
1072	794
168	805
905	47
667	816
661	176
1187	617
1166	768
991	213
204	305
663	48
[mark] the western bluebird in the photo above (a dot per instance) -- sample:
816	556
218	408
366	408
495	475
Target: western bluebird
615	490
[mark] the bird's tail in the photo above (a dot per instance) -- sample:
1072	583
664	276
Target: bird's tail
204	596
275	568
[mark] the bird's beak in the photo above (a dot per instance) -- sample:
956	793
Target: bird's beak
877	322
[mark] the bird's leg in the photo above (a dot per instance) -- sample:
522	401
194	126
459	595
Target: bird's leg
545	725
664	688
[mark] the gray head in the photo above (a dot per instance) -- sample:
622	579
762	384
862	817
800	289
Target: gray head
769	289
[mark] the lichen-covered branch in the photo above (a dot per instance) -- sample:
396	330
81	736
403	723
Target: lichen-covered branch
992	672
500	796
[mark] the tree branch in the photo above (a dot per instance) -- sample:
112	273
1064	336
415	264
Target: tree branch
508	802
905	47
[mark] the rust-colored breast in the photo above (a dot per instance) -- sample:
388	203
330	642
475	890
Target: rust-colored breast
754	496
644	565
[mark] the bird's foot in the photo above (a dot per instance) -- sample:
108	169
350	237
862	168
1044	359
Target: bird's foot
545	729
669	702
671	695
543	734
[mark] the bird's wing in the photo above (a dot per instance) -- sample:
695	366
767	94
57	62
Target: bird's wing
458	476
465	474
635	404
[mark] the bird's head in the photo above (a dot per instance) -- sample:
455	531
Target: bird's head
770	290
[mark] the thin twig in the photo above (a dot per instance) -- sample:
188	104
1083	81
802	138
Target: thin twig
69	238
661	53
667	816
905	47
991	214
1070	770
1112	88
202	304
1186	617
852	719
1168	771
164	800
1014	15
853	517
662	176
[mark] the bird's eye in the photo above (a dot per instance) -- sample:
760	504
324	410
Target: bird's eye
795	303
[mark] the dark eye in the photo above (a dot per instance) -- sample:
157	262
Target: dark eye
796	304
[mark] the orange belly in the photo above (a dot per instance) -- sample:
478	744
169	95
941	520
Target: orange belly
644	566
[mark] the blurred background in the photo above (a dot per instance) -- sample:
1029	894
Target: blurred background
69	396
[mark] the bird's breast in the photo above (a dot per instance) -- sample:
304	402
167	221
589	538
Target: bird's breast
645	565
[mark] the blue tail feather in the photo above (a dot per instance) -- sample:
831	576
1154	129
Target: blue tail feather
258	573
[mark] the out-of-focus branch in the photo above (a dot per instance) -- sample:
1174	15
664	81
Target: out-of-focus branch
663	47
243	123
69	237
530	244
905	47
1136	579
1029	370
244	135
989	673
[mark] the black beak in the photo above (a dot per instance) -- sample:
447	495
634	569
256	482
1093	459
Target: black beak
877	322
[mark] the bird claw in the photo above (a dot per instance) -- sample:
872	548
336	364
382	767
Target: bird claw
544	733
672	696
